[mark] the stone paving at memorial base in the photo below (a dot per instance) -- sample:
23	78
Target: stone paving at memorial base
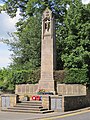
23	116
31	116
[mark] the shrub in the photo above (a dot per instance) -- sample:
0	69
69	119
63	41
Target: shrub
59	76
75	75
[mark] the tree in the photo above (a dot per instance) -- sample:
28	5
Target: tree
76	53
27	48
6	80
11	6
72	33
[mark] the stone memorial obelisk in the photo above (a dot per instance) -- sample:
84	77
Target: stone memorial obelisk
48	52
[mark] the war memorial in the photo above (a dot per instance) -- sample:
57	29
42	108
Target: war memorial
47	95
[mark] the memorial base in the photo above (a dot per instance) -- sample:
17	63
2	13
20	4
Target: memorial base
48	86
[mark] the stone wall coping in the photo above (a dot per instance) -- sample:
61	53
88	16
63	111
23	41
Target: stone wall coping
26	84
71	84
74	95
22	94
8	95
56	96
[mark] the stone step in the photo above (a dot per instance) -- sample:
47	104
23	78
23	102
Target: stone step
37	102
30	106
25	104
27	111
33	103
22	108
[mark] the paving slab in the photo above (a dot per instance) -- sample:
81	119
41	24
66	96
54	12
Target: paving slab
33	116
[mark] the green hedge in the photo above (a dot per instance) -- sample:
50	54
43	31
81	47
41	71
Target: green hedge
75	75
59	76
9	78
26	76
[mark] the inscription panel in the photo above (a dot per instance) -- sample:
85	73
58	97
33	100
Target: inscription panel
19	89
27	88
5	101
59	104
23	89
56	104
53	104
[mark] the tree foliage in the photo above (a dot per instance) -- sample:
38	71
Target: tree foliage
72	34
76	53
26	47
9	78
76	76
6	80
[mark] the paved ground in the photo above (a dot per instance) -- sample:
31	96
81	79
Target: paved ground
23	116
48	116
83	115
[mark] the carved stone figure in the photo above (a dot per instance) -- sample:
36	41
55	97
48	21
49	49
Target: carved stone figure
47	24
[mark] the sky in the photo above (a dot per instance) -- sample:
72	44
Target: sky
7	24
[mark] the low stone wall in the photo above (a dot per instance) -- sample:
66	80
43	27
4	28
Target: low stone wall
75	102
8	100
71	89
26	89
68	103
46	101
69	97
62	89
54	102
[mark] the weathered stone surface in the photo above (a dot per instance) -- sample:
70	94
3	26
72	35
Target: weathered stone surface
48	52
12	98
26	89
19	89
23	88
71	89
46	101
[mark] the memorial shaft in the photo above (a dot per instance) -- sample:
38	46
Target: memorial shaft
48	52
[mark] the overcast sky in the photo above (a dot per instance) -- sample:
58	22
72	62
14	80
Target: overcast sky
7	24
